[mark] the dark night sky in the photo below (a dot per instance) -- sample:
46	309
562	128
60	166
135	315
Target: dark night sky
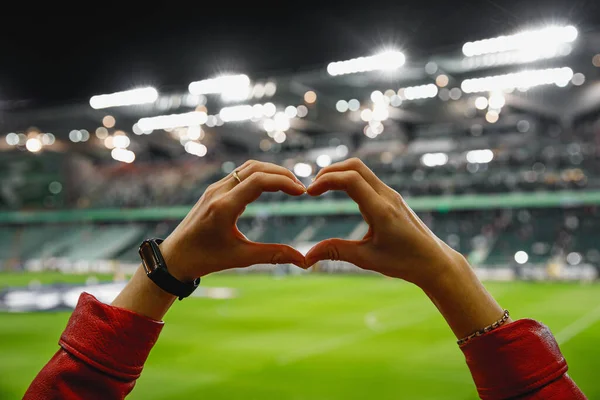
59	59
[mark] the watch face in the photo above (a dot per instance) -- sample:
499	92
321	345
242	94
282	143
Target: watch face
149	259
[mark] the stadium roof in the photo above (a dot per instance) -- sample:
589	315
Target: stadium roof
50	87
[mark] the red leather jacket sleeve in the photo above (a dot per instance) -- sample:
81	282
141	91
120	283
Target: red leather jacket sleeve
520	360
103	350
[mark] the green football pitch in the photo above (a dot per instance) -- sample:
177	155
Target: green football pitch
313	337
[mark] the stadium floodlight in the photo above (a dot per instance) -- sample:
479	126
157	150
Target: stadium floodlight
323	160
548	37
341	106
282	122
291	112
434	159
420	92
12	139
195	148
173	121
492	116
279	137
269	109
341	151
123	155
75	136
121	141
519	80
387	60
521	257
480	156
481	103
33	145
303	170
380	112
127	98
48	139
236	113
230	87
497	100
353	105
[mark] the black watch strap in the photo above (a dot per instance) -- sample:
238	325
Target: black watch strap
170	284
157	271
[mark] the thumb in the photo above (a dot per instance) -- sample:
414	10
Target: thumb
267	253
335	249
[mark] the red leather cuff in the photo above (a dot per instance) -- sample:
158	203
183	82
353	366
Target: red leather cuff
514	359
111	339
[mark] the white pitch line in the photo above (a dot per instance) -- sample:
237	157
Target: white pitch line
344	340
578	326
375	327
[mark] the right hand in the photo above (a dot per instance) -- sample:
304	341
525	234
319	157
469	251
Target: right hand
398	243
208	240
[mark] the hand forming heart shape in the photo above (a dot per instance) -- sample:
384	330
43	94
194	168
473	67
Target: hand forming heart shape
398	243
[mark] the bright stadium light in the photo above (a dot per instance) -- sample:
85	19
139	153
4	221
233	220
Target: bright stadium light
236	113
303	170
127	98
121	141
195	148
75	136
33	145
519	80
420	92
269	109
481	103
282	122
269	125
497	100
529	40
173	121
12	139
123	155
353	105
492	116
48	139
434	159
521	257
388	60
291	112
480	156
227	85
380	112
341	106
279	137
323	160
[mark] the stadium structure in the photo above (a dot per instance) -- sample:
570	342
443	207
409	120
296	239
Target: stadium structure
495	145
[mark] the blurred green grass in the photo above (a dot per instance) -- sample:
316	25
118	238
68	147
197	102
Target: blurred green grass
311	337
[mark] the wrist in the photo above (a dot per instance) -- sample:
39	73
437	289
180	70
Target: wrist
176	265
462	299
448	268
144	297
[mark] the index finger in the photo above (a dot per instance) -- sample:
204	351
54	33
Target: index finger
352	183
252	187
354	164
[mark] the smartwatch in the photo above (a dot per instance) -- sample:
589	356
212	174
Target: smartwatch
156	269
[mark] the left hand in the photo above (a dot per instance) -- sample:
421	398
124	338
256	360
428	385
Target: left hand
208	240
398	244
